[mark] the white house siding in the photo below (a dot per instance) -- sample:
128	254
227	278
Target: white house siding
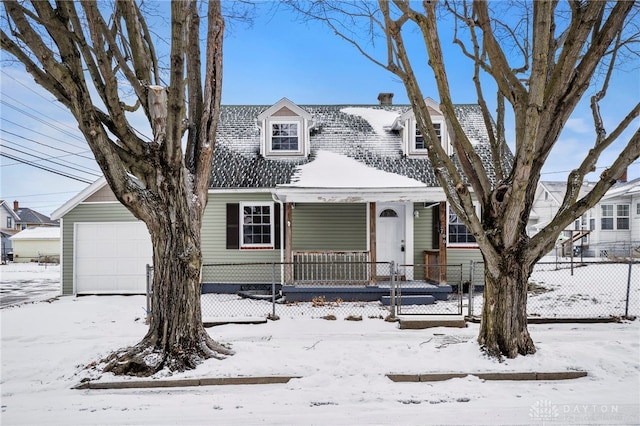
31	250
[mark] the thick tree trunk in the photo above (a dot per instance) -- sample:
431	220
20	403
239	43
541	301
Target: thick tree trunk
503	330
176	339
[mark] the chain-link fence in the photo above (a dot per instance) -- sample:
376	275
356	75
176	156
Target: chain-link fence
564	289
358	290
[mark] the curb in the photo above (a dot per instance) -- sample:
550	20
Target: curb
438	377
212	381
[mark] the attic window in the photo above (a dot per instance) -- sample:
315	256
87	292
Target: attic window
284	129
416	140
419	143
284	136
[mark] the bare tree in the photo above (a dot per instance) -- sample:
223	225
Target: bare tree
89	57
542	66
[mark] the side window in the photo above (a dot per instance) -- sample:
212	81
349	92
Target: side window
9	222
622	216
457	231
252	225
606	218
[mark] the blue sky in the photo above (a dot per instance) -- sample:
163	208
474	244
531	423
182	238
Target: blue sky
278	56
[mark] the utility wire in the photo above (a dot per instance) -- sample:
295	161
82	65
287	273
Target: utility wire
68	133
47	159
41	167
48	146
45	135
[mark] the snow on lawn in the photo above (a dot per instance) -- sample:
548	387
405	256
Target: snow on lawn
21	282
342	365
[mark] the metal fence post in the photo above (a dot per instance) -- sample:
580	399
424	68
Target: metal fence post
471	286
149	289
626	306
392	302
273	290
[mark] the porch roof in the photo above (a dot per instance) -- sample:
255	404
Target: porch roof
336	178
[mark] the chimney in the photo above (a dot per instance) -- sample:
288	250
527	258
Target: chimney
385	98
16	205
623	176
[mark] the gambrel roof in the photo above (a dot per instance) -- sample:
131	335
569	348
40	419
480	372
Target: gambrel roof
360	132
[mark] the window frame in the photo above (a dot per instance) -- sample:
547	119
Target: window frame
10	224
248	246
615	216
414	133
626	217
289	120
470	244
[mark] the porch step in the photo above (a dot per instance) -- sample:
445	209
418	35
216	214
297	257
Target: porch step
419	322
418	299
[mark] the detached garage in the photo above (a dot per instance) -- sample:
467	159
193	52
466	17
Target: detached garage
105	249
111	257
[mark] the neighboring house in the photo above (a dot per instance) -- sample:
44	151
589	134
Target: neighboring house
297	184
8	219
615	221
8	227
37	244
612	227
30	218
547	202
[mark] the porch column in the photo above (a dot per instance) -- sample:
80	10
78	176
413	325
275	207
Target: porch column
443	242
372	244
288	243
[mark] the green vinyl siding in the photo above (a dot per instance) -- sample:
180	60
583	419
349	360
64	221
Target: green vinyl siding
92	212
422	238
329	227
463	256
214	230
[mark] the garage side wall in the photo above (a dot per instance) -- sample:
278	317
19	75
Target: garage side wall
89	212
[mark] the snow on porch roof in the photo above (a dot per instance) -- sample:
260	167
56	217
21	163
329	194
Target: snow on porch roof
333	177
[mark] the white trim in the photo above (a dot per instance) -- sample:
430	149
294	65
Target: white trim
301	135
81	196
465	244
249	246
239	190
359	195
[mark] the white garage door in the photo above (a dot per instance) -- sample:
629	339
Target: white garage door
111	258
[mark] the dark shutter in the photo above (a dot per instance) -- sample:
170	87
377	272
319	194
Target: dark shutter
435	227
233	226
276	219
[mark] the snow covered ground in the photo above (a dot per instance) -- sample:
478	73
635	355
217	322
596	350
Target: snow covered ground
342	365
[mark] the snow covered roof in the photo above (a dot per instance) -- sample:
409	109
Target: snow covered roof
332	170
38	233
622	189
360	132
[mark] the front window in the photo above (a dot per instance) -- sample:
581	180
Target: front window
284	137
458	233
256	230
622	216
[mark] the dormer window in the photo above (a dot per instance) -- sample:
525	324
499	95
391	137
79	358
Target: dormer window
414	142
285	130
284	137
419	142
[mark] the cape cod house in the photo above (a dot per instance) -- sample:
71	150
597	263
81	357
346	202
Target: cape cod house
297	185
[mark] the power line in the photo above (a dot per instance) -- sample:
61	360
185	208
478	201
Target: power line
48	159
43	134
59	129
41	167
50	101
45	145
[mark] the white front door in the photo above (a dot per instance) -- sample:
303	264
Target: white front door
390	235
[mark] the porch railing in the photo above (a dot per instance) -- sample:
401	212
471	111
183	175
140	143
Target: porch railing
342	268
